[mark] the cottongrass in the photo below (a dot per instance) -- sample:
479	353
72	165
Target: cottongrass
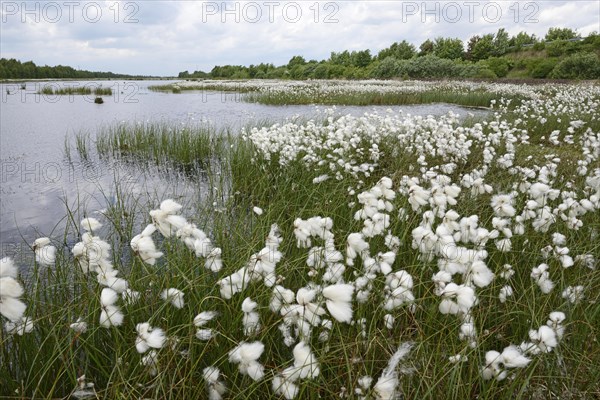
437	260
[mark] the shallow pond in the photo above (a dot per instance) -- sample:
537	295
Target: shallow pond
39	182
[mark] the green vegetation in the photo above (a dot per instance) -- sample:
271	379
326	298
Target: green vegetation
15	69
469	99
190	148
494	55
79	90
511	150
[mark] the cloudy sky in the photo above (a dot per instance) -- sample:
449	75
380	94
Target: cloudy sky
166	37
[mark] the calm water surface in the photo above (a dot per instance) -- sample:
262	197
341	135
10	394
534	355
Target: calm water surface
38	182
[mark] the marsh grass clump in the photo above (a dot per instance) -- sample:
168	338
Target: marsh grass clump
379	256
100	91
184	147
51	90
77	90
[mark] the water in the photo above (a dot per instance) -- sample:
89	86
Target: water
38	182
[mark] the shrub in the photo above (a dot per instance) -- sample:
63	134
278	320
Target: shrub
388	68
499	65
578	66
541	68
486	73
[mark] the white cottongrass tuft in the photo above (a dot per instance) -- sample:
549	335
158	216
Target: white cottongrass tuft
173	296
111	314
305	366
204	317
45	254
284	387
257	210
573	294
457	298
144	246
216	388
213	260
166	219
250	320
246	356
8	268
11	307
79	326
19	327
148	337
150	361
338	299
541	276
385	388
90	224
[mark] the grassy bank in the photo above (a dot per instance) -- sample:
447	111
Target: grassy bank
359	93
454	220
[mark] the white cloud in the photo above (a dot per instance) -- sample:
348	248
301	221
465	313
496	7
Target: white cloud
172	36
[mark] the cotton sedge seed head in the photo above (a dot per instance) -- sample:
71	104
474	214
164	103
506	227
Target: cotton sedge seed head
79	326
90	224
204	317
246	352
111	316
305	296
248	305
556	317
12	308
108	297
284	387
8	268
513	358
10	287
174	296
169	206
204	334
19	326
211	374
41	242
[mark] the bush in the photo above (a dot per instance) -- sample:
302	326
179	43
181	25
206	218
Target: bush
499	65
559	48
541	68
429	66
486	73
578	66
539	46
388	68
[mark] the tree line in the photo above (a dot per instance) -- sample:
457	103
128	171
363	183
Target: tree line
560	54
15	69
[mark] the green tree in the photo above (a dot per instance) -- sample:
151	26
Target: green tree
296	60
321	71
560	34
361	58
501	42
426	48
342	58
480	48
400	51
522	39
451	49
